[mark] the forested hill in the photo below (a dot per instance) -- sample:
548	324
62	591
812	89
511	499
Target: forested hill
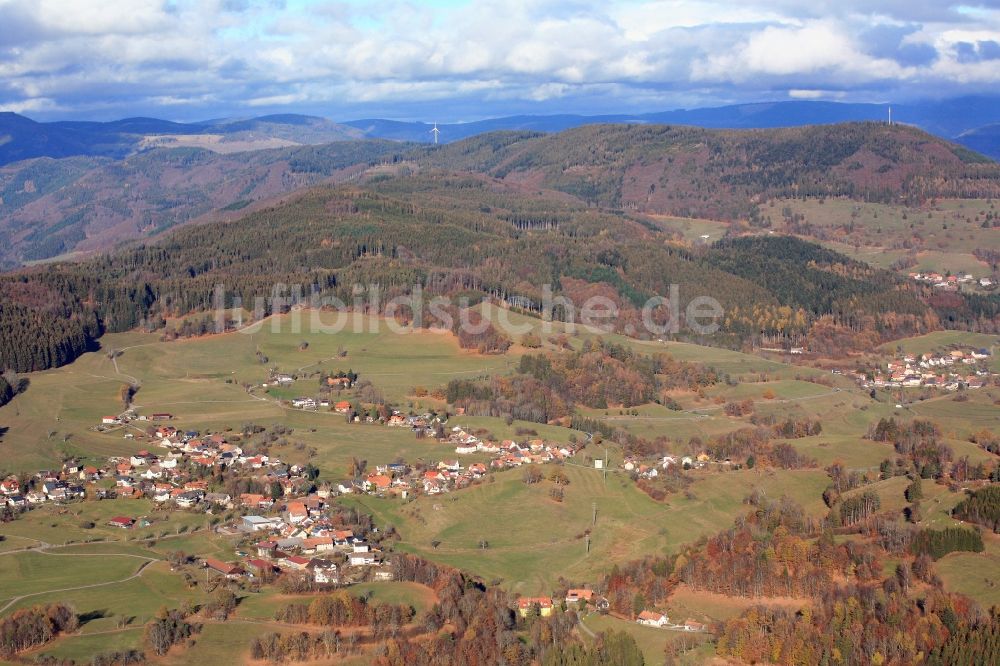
462	235
723	174
52	207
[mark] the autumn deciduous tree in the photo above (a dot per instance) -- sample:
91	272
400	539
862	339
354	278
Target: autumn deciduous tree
34	626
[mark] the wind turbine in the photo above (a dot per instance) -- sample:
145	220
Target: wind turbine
435	132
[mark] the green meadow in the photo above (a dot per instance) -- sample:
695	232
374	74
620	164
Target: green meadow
530	539
947	231
533	540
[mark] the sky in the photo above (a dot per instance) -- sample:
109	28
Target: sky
455	60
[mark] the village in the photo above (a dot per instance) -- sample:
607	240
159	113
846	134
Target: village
952	282
290	530
287	526
284	522
950	371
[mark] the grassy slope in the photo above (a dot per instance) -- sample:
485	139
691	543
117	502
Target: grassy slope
533	540
950	230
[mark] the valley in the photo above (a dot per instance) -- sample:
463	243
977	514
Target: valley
615	384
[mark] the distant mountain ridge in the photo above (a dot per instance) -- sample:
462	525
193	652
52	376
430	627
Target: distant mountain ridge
965	120
22	138
957	120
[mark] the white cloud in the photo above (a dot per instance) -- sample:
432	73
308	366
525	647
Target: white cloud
126	54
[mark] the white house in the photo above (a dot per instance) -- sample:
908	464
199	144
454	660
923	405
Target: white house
362	559
258	523
325	573
652	619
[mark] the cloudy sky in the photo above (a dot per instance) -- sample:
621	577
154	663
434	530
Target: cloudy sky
453	60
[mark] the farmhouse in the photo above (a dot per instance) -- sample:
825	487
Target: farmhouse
652	619
297	562
342	407
224	568
363	559
576	596
525	604
10	486
692	625
261	567
377	482
317	544
324	573
297	512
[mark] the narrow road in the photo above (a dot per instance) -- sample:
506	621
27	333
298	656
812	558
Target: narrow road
137	573
585	628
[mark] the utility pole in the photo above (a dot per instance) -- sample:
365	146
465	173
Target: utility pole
594	506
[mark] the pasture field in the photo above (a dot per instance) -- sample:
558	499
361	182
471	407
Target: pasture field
958	419
33	572
502	529
263	605
947	231
532	539
691	230
653	641
976	575
137	599
940	341
685	603
61	525
82	647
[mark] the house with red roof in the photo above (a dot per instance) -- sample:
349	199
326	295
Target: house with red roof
525	604
377	482
226	569
652	619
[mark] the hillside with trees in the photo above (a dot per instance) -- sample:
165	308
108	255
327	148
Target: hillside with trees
725	174
405	231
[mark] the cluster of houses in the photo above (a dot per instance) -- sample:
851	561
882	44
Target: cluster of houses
344	381
401	480
129	416
584	598
951	282
509	453
164	478
949	371
575	598
653	468
47	486
302	539
341	407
